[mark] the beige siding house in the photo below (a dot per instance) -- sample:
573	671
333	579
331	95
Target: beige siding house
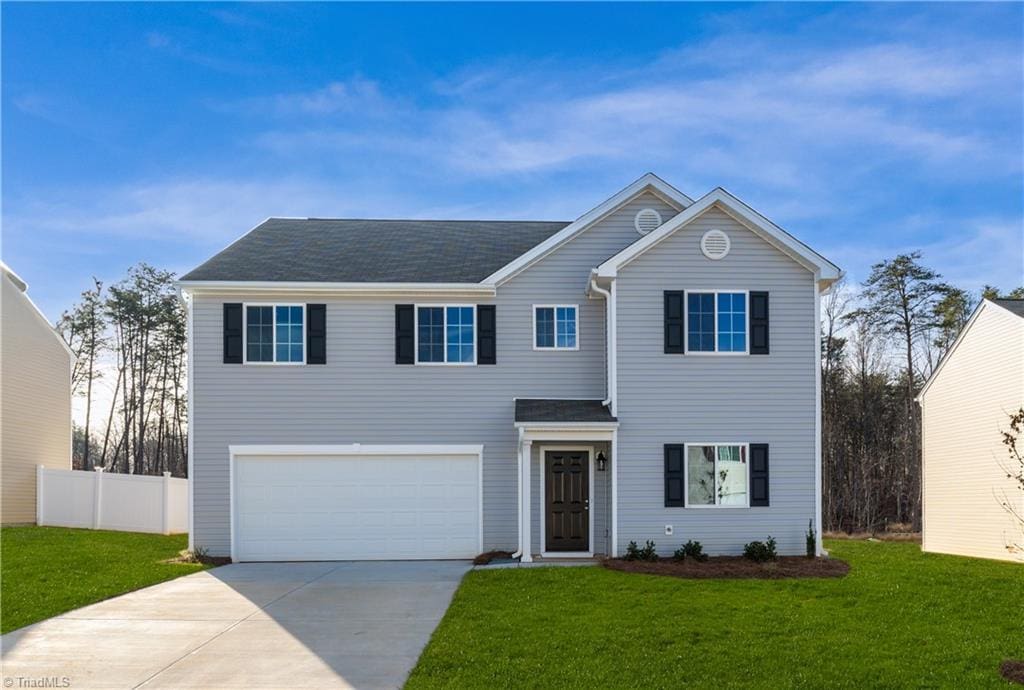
35	399
964	406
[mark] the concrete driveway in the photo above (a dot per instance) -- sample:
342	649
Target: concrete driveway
250	625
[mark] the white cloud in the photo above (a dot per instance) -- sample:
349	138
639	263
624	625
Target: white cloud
362	95
970	252
906	71
771	121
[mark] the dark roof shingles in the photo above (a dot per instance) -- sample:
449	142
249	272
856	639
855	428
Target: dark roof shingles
374	251
540	410
1014	305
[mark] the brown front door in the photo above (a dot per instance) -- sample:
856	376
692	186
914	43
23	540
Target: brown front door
567	500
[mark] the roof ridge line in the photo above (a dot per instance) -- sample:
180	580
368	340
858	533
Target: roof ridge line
419	220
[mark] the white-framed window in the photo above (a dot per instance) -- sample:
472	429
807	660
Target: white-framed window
556	327
717	475
716	322
446	334
274	333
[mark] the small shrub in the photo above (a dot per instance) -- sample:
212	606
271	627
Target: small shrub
632	552
679	554
694	550
201	555
761	551
812	540
648	553
197	555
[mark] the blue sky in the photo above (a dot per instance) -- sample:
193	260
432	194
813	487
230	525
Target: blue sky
160	132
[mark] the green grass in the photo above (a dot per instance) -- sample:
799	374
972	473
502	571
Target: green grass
45	571
901	618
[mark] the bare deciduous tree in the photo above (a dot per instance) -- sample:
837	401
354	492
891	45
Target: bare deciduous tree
1013	465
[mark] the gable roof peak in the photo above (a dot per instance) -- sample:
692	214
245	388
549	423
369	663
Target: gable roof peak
646	182
827	272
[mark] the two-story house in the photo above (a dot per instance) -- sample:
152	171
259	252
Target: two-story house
400	389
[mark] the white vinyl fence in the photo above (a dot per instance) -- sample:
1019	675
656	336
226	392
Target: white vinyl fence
103	500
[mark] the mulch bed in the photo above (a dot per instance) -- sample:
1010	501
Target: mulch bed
1012	671
485	558
186	557
735	567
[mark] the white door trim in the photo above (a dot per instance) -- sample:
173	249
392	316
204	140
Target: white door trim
589	553
355	449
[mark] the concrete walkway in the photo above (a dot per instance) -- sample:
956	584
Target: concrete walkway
251	625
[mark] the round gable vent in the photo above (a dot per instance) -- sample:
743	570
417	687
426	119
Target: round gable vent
715	244
646	220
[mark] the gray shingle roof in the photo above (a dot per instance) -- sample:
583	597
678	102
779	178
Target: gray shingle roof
374	251
538	410
1014	305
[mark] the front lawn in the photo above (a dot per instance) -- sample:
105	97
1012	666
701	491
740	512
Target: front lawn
49	570
901	618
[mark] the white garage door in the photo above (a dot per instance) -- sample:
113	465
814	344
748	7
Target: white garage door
358	504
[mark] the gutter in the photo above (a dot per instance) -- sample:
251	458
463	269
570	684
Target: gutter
609	400
213	287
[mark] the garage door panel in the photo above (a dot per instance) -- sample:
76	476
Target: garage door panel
356	507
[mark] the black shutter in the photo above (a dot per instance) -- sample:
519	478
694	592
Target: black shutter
759	474
316	334
674	306
758	323
233	333
405	337
486	334
675	467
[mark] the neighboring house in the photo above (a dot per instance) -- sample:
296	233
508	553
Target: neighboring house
965	405
35	399
376	389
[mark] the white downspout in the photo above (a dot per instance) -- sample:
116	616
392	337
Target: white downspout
519	503
608	401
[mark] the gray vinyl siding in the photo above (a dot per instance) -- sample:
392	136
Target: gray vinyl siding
362	396
672	398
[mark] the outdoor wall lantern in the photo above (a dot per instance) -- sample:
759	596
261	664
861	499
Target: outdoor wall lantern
602	462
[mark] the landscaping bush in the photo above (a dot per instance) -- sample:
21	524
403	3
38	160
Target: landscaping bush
632	552
812	540
648	553
761	551
691	549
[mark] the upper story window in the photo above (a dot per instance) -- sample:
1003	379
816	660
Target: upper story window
446	334
275	334
716	322
555	327
716	475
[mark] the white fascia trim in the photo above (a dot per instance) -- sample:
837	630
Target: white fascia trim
568	426
818	475
18	281
356	449
919	398
190	405
648	183
215	287
22	286
807	257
